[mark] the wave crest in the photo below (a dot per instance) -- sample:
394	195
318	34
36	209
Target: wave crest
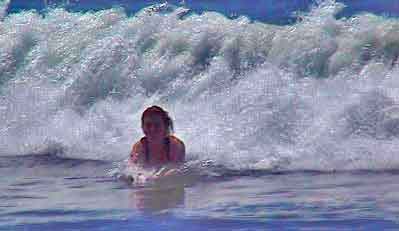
318	94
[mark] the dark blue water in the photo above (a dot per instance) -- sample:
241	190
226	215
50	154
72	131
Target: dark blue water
271	11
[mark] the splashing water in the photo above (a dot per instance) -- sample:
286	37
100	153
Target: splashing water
320	94
3	7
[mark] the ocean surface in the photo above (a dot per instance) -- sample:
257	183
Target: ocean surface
289	111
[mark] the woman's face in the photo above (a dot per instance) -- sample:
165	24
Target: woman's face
154	127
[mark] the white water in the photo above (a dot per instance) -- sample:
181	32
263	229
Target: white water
320	94
3	6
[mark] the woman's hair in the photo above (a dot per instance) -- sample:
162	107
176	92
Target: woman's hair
156	110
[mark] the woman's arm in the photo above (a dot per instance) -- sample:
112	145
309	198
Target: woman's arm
178	150
136	156
181	152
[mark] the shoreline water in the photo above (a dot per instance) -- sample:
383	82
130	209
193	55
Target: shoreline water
294	201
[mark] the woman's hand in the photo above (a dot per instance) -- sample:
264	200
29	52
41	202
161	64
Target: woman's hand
171	172
164	173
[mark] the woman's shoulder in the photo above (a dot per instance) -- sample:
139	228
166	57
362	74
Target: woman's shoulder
177	147
175	140
136	155
138	146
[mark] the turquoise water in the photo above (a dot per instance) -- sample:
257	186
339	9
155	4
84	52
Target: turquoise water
289	113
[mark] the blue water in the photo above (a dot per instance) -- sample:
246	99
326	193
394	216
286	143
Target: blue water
289	111
271	11
290	201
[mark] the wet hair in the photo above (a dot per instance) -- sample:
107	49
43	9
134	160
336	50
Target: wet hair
156	110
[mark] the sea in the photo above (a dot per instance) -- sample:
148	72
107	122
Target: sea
289	110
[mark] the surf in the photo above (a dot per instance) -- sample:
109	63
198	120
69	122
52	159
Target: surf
315	95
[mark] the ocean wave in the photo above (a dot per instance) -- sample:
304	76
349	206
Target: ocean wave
49	160
319	94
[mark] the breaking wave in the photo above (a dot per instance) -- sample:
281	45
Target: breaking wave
320	94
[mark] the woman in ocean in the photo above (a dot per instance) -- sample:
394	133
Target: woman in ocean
158	148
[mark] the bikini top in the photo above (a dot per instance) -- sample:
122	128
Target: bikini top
166	142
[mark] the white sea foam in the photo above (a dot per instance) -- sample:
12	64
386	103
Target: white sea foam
3	8
320	94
